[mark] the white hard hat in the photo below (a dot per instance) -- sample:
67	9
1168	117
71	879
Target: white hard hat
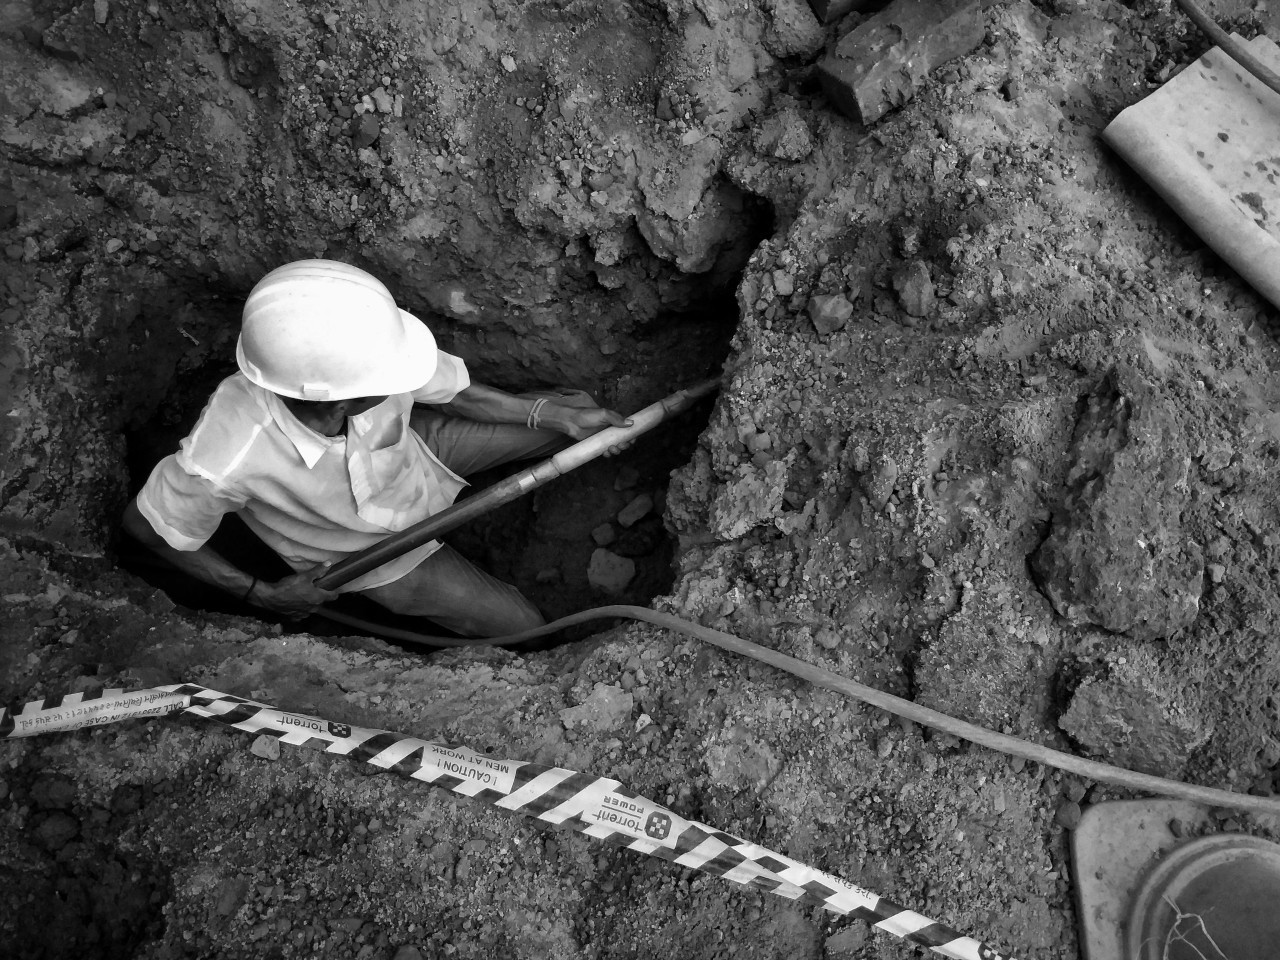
324	330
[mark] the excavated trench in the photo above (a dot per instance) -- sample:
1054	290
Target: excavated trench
542	543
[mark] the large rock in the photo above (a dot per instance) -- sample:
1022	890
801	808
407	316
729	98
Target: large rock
1116	555
881	63
795	30
1134	715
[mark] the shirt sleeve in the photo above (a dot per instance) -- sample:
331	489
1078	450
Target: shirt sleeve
449	380
185	509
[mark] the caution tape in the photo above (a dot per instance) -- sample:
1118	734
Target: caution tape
76	710
595	806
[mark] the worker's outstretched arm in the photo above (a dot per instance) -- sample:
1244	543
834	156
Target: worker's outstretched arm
491	405
294	596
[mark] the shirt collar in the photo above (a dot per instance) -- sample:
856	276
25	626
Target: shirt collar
310	445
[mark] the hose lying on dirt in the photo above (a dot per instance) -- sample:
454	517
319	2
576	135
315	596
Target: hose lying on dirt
1228	45
1090	769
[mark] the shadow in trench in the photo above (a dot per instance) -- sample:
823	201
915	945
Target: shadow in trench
543	543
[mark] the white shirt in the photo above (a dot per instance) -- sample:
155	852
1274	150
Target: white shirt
311	498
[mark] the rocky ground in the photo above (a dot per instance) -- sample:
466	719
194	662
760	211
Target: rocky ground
997	433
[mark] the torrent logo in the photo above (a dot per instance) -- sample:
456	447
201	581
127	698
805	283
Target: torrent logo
339	730
658	826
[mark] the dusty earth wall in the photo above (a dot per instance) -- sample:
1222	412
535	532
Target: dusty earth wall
997	434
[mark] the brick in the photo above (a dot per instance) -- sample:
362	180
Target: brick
636	510
881	63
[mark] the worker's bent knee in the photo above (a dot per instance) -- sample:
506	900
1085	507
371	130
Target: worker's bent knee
516	615
489	608
527	617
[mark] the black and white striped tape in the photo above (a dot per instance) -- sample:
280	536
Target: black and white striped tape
76	710
596	806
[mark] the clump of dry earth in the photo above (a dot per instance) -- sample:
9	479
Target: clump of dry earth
997	433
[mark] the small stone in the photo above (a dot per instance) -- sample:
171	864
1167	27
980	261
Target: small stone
604	535
509	64
1073	789
626	478
53	792
230	894
847	943
793	30
608	572
784	136
101	10
783	283
1068	815
636	510
382	100
407	952
607	708
57	830
1217	572
266	747
915	289
829	313
62	46
364	130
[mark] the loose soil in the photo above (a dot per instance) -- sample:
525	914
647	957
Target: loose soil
1024	475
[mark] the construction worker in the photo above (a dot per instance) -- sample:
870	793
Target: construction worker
344	424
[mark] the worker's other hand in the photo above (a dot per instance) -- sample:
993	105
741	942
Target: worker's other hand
583	422
294	596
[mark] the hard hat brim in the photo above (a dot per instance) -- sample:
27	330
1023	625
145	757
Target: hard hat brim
418	363
412	366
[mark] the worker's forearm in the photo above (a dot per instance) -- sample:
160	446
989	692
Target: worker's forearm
205	564
488	405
